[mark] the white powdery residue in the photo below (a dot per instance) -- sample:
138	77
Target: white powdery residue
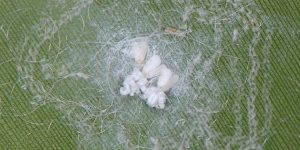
202	12
81	75
251	98
202	15
27	55
267	83
155	142
74	11
46	29
46	69
121	137
235	35
237	110
187	12
62	71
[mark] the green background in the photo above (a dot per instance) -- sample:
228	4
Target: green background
30	122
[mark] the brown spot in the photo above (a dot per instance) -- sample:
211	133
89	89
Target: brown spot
176	32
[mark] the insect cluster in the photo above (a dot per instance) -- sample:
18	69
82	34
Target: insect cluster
150	80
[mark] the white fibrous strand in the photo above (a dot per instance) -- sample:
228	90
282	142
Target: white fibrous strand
137	82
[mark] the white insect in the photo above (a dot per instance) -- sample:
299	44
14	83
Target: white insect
151	67
134	83
140	79
167	80
156	71
139	51
155	97
130	87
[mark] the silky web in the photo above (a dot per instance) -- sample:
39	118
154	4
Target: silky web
76	56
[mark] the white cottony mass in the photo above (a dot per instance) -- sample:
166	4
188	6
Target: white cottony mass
137	82
133	83
155	97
